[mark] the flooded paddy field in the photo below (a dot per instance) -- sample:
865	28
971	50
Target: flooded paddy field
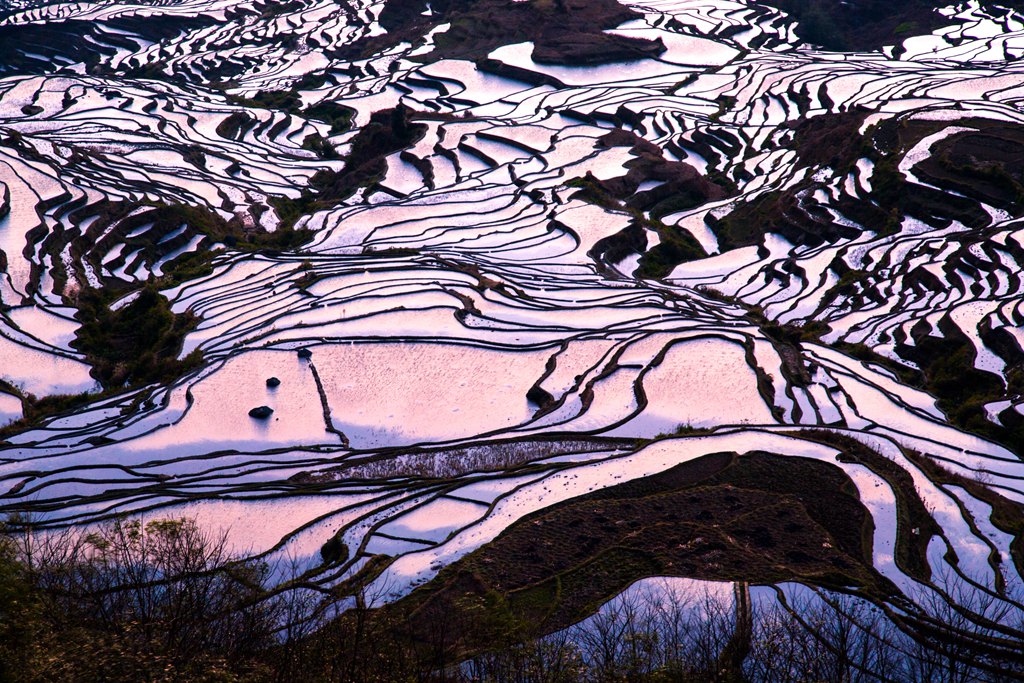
548	295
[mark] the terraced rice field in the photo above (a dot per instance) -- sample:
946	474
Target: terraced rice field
540	281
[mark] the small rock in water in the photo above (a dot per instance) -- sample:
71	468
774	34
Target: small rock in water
273	382
261	412
305	353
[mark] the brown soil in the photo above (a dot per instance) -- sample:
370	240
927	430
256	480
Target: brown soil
758	517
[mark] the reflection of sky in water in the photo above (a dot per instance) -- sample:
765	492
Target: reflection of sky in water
10	409
391	394
518	279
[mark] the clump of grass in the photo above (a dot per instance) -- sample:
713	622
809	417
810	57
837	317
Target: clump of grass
684	429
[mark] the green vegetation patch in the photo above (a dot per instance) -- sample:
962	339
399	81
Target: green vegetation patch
338	116
947	372
863	25
563	31
166	218
136	344
835	141
388	131
681	187
676	246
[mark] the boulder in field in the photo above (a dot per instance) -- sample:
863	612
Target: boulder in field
261	412
539	397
